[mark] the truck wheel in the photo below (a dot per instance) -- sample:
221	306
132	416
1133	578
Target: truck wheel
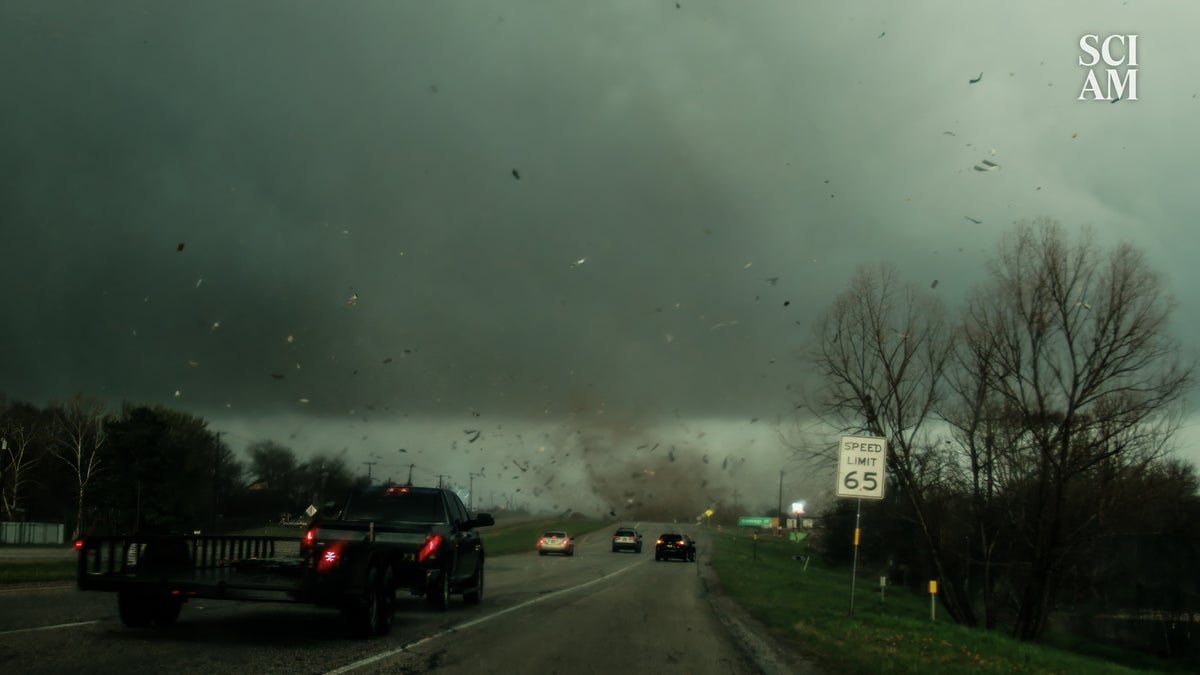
134	609
438	593
474	597
372	614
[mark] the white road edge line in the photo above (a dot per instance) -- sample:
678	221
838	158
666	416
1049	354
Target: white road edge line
473	622
61	625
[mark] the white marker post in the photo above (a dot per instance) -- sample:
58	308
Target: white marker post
862	465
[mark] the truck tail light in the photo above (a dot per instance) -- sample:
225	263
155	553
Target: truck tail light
78	544
309	539
432	543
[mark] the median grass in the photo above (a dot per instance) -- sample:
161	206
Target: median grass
808	610
37	572
522	537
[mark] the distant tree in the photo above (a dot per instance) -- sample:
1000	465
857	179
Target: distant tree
79	443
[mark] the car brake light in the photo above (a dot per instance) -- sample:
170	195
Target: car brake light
432	543
397	490
329	557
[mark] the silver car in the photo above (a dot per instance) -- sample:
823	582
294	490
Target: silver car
556	542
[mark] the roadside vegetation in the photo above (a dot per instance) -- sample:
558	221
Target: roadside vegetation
808	610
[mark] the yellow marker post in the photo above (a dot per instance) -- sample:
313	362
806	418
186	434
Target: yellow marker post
932	599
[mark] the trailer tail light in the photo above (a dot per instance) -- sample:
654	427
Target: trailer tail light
330	557
432	543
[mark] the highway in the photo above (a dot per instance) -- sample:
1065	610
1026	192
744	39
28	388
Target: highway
597	611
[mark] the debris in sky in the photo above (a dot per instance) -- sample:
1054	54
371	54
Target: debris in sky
1075	135
178	393
881	35
193	363
723	324
976	79
786	303
934	284
388	360
668	338
199	281
179	248
290	339
516	174
579	262
772	280
304	400
472	431
747	265
671	455
216	325
353	300
974	220
988	162
433	88
949	133
278	376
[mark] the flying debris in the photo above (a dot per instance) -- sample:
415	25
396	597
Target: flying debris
881	35
786	303
934	284
198	282
974	220
304	400
949	133
772	280
988	162
193	363
474	438
986	165
388	360
974	81
579	262
179	248
278	376
216	325
516	174
353	300
291	339
723	324
178	393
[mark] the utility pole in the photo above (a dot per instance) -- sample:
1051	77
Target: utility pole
779	510
369	465
440	477
410	468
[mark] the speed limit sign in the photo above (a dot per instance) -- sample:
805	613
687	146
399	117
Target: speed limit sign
862	463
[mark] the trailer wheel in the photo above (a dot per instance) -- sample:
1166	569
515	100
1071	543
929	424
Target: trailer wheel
134	608
475	596
438	593
165	610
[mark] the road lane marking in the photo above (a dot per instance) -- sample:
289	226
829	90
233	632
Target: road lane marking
473	622
35	588
61	625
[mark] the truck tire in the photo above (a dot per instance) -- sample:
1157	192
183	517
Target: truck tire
475	595
438	592
371	614
134	608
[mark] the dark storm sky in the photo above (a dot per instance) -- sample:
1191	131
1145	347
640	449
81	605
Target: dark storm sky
340	174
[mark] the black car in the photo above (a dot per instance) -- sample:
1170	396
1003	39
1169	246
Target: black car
627	539
672	545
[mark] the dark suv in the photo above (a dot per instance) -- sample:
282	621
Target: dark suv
673	545
627	539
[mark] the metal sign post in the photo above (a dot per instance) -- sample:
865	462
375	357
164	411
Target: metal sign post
862	466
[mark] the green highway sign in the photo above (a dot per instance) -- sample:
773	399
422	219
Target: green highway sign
754	521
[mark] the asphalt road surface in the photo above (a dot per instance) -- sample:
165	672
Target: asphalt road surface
597	611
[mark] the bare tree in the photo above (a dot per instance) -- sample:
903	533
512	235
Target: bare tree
21	445
882	351
1073	343
79	444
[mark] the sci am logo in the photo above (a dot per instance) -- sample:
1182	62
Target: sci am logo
1112	60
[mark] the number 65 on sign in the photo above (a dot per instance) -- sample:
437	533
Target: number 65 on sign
862	463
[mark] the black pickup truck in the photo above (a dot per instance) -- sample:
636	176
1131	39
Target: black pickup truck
386	539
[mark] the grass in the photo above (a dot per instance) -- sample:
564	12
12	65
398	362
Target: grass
522	537
809	611
37	572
